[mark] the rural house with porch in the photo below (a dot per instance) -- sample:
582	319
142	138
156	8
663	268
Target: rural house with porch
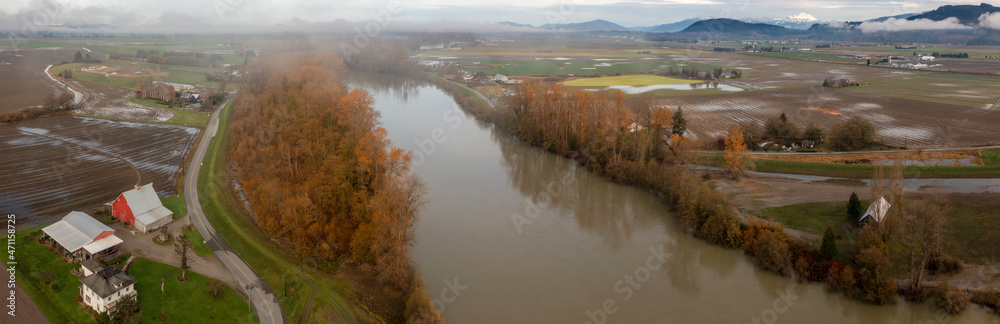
78	237
141	208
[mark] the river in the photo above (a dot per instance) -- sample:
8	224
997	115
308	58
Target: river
513	234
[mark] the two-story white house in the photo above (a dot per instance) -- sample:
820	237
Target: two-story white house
102	287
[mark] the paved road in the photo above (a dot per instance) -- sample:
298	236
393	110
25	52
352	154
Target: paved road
263	299
944	149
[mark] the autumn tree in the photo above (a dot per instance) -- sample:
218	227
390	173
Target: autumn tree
182	249
737	161
813	133
854	134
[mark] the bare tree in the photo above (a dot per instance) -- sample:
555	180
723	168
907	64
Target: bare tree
893	218
183	250
921	232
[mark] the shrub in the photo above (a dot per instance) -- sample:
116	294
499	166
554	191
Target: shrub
944	265
216	288
829	248
55	286
841	278
753	230
952	301
988	298
877	288
772	251
47	276
722	228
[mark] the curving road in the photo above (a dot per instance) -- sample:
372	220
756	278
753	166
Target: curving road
261	296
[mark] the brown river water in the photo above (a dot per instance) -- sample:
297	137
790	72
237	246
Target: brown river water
513	234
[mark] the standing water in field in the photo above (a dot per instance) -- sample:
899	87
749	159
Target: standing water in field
513	234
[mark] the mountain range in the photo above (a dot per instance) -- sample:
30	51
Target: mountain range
968	15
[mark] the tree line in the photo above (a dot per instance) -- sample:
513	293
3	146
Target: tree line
318	171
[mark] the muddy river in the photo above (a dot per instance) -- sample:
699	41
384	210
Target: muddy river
513	234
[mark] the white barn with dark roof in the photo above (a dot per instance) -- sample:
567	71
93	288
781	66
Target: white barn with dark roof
78	237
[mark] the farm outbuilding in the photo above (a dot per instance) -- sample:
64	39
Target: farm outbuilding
79	237
875	213
141	208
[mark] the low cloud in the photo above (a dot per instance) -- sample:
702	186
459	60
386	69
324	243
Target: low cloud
893	24
990	20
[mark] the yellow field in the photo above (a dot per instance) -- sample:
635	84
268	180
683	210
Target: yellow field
632	80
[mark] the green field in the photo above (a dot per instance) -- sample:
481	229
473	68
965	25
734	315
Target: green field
258	249
190	302
198	242
633	80
991	157
814	218
944	88
34	261
182	117
175	73
576	67
185	301
856	171
811	56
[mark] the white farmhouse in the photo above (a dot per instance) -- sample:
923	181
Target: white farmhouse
103	288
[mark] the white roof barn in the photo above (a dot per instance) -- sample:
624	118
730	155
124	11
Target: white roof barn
876	210
82	237
141	208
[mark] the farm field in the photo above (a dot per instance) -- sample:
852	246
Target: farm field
110	101
169	73
898	121
943	88
24	83
576	66
64	163
634	80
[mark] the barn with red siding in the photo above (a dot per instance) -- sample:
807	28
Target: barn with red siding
141	208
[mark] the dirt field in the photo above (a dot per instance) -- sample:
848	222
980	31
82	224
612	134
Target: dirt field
898	121
108	101
57	164
22	83
112	71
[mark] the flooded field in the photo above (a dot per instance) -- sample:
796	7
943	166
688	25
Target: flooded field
898	121
23	83
52	165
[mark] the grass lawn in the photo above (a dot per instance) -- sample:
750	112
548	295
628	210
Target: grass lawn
815	218
182	117
634	80
185	302
198	242
991	157
269	260
972	234
35	260
177	205
855	171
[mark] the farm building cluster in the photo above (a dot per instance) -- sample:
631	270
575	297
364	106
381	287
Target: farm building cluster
181	95
80	238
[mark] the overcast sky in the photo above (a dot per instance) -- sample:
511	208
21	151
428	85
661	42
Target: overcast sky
188	13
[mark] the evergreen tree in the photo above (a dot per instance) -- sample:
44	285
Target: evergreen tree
854	207
829	248
78	57
680	123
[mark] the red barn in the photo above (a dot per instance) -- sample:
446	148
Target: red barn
141	208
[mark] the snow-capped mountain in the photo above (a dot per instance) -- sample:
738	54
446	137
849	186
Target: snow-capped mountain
798	21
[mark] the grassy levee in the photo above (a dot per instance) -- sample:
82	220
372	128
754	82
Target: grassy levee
854	171
268	259
185	301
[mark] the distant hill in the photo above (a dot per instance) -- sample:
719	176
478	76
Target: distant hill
676	26
730	26
511	23
592	25
903	16
966	14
